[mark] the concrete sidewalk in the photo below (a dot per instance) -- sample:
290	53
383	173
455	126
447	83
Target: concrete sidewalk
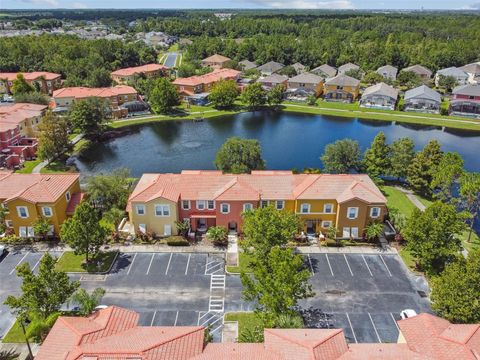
345	250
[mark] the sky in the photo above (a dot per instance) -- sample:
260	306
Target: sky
267	4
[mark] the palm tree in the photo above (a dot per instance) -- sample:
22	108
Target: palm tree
373	231
8	355
88	302
39	328
289	321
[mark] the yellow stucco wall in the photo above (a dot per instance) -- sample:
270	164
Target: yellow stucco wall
354	90
153	222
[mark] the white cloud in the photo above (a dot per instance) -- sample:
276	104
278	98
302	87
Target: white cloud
306	4
475	6
79	5
42	2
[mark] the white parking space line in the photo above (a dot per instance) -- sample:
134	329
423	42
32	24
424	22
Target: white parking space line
365	261
23	258
386	267
153	318
188	263
374	328
395	321
216	329
351	327
330	266
150	265
176	318
349	268
216	303
168	265
310	262
36	264
130	267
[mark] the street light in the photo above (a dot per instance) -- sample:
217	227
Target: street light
25	321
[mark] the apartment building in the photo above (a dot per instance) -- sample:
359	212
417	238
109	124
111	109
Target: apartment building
203	83
210	198
29	197
123	76
45	82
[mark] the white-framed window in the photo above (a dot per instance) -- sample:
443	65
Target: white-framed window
247	207
305	208
352	212
264	203
162	210
346	232
186	204
375	212
167	230
200	204
22	212
68	196
225	208
328	208
47	211
354	232
326	224
30	232
142	228
140	209
22	231
279	204
211	205
9	223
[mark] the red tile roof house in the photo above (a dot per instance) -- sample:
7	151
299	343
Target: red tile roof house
210	198
195	85
47	82
122	76
113	333
18	130
116	97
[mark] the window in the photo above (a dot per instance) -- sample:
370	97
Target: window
186	204
142	228
346	232
210	205
140	209
9	223
167	230
22	231
247	207
375	212
328	208
354	232
51	231
280	204
201	204
67	195
22	212
326	224
225	208
264	203
305	208
47	211
162	210
352	212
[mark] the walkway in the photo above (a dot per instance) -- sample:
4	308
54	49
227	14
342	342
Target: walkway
37	169
411	196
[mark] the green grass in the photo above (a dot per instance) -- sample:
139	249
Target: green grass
56	167
398	200
244	262
28	166
15	334
69	262
408	259
424	201
246	321
474	243
173	48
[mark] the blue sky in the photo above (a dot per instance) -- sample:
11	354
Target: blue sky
308	4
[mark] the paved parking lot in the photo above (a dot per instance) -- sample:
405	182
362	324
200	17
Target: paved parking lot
361	293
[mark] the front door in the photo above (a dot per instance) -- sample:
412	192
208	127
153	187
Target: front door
167	231
232	226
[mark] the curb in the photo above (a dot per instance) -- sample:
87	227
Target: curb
94	273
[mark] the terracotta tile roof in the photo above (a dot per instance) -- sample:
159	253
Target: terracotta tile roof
216	58
381	352
36	188
438	339
266	185
139	69
12	115
30	76
236	351
84	92
209	78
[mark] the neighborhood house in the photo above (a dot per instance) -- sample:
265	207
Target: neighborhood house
422	99
466	101
29	197
460	76
45	82
216	61
421	71
123	76
270	68
341	88
473	71
379	96
325	71
247	65
304	85
388	72
347	67
210	198
272	80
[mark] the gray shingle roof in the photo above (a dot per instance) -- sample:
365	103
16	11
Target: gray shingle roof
388	69
453	71
306	78
381	89
330	71
419	69
247	65
346	67
299	67
424	92
473	68
271	66
274	78
342	80
469	90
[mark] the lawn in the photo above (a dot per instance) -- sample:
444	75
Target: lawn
15	334
424	201
398	200
408	259
28	166
474	243
69	262
246	321
244	262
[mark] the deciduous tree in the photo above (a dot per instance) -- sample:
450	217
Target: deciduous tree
53	139
21	86
254	96
401	156
111	190
376	161
470	195
423	167
448	171
341	157
223	94
89	115
238	156
163	97
275	95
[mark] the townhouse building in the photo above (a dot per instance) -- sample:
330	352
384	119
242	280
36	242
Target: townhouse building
18	130
29	197
45	82
203	83
123	76
211	198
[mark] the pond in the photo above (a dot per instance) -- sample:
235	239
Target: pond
289	140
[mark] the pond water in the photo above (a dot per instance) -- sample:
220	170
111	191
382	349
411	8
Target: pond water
289	140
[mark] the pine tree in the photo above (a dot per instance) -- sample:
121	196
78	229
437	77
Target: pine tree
423	167
377	158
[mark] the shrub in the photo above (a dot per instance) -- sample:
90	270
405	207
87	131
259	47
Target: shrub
333	243
148	236
218	235
177	241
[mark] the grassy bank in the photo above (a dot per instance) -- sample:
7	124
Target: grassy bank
69	262
247	321
243	264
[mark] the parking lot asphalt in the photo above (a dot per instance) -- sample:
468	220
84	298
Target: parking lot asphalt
361	293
